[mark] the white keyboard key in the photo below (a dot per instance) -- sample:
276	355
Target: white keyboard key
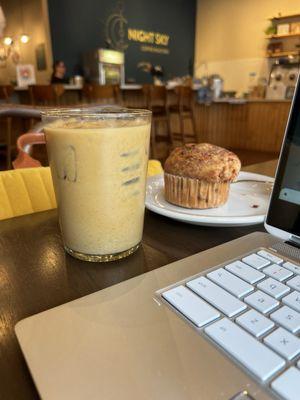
255	261
230	282
270	256
273	287
191	306
292	300
217	296
294	282
292	267
255	323
261	301
284	343
245	272
277	272
251	353
288	318
287	385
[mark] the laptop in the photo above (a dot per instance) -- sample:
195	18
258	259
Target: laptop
222	324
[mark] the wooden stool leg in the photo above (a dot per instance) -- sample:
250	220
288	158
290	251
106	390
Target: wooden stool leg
194	127
181	122
8	141
169	130
32	122
153	140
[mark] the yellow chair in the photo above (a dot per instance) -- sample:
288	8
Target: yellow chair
154	168
28	190
25	191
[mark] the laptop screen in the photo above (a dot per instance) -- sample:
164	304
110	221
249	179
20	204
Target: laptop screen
284	210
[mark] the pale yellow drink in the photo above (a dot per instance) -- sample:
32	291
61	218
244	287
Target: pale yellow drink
99	167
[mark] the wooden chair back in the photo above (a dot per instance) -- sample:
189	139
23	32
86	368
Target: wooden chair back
46	94
5	92
184	97
87	90
6	135
156	96
105	93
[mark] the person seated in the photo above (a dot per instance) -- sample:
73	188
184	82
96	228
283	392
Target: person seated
59	73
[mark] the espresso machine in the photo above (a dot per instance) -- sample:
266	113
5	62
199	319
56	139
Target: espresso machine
282	81
104	66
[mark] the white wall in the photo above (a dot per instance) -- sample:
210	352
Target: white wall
230	37
36	24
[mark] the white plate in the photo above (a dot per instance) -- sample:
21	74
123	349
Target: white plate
240	209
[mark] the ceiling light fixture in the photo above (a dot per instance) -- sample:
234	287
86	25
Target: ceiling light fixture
8	41
24	38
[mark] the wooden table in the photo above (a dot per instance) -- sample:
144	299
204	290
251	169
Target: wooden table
36	274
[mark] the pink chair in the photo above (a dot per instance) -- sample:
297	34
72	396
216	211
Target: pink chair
24	146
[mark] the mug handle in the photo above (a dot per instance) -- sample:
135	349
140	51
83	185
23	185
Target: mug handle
24	144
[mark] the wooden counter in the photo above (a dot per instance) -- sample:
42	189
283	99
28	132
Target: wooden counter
250	126
256	125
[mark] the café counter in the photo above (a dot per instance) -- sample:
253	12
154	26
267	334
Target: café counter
256	125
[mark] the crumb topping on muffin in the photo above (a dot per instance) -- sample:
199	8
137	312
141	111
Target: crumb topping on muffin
203	161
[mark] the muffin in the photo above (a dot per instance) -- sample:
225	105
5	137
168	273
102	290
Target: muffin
199	175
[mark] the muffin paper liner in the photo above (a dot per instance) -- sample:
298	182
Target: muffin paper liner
195	193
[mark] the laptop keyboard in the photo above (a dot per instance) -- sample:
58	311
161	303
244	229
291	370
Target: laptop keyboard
251	309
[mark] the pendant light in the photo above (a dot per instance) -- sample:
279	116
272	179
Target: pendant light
8	41
24	38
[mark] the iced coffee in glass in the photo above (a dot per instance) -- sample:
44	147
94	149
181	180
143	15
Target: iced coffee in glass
98	161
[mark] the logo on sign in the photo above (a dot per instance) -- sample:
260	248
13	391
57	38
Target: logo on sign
116	29
118	34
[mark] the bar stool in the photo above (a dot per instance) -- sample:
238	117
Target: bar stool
46	94
103	93
184	109
156	100
87	92
5	95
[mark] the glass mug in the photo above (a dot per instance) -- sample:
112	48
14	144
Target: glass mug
98	160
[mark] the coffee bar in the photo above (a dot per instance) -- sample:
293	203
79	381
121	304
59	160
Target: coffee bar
149	200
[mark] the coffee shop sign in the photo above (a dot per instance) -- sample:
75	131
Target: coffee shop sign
118	34
142	36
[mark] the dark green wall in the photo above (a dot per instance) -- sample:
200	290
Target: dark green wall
79	25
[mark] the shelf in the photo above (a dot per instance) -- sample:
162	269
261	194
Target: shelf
283	54
287	35
285	17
